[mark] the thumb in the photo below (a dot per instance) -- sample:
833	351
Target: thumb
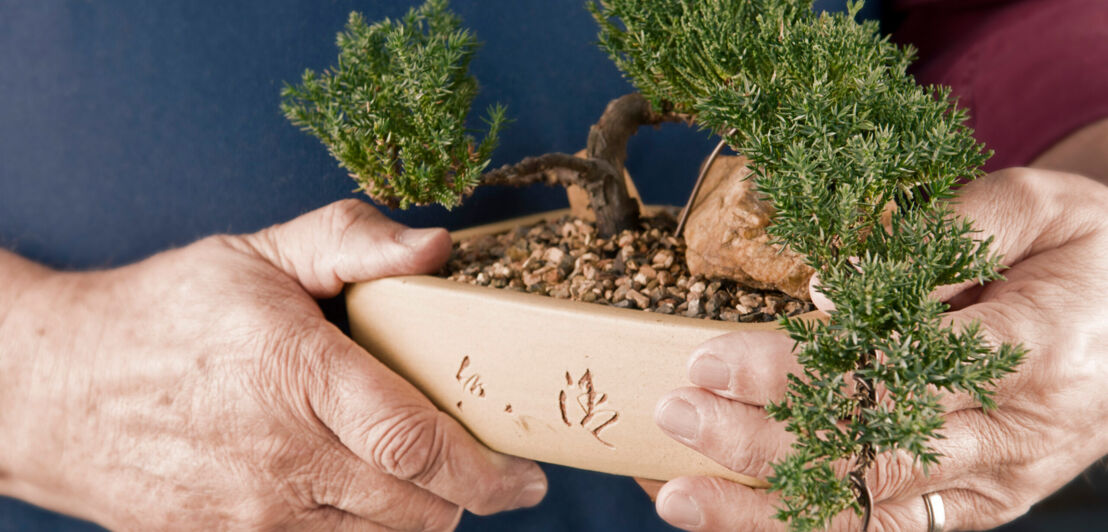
346	242
1015	206
1027	212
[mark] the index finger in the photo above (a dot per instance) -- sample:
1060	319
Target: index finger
751	367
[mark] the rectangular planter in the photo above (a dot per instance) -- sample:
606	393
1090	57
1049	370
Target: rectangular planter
558	381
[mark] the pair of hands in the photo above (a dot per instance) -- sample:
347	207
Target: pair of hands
202	388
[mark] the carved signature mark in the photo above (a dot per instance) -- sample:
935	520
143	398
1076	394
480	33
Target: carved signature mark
470	380
593	418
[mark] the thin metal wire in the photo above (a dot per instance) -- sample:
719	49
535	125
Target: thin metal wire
700	181
865	497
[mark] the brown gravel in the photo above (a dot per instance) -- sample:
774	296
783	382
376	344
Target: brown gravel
642	269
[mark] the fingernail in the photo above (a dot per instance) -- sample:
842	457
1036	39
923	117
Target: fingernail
418	238
710	372
679	417
531	495
681	511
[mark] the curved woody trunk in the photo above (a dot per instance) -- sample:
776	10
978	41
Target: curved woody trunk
600	172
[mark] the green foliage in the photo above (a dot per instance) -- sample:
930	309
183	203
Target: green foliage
837	130
393	111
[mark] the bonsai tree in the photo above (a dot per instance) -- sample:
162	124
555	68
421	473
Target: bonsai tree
839	136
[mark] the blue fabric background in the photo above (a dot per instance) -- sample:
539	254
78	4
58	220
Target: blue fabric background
128	127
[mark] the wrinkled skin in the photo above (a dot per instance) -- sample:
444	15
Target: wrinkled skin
203	389
1052	230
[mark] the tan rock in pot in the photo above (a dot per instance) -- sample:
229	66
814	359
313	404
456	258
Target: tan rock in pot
726	234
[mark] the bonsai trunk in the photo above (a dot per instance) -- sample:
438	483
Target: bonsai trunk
600	173
866	395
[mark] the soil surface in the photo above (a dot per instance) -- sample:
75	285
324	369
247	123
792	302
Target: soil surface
642	269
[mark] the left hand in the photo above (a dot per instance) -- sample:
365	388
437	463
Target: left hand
1052	230
202	389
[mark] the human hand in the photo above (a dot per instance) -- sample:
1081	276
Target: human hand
203	389
1052	230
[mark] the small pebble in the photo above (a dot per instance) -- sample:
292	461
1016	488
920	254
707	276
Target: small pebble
642	301
697	288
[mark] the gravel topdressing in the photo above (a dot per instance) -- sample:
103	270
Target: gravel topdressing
642	269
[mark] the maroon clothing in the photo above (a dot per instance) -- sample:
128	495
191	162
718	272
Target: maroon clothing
1030	71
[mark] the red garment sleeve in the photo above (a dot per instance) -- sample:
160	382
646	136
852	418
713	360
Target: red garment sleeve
1030	72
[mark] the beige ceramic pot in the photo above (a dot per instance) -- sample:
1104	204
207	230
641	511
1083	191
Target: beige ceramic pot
558	381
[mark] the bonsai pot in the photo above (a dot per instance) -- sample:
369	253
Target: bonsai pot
553	380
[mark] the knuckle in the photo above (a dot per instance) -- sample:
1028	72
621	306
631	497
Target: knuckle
994	503
1026	481
327	481
411	445
285	367
222	242
489	500
208	257
445	518
1008	323
739	441
338	220
340	216
259	513
360	233
993	507
1014	443
885	522
741	461
347	210
757	378
1021	179
1025	187
1009	514
1021	489
749	460
893	473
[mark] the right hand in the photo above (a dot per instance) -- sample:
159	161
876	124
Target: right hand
1051	228
203	389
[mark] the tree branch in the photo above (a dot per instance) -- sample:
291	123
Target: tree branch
622	118
596	177
549	169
